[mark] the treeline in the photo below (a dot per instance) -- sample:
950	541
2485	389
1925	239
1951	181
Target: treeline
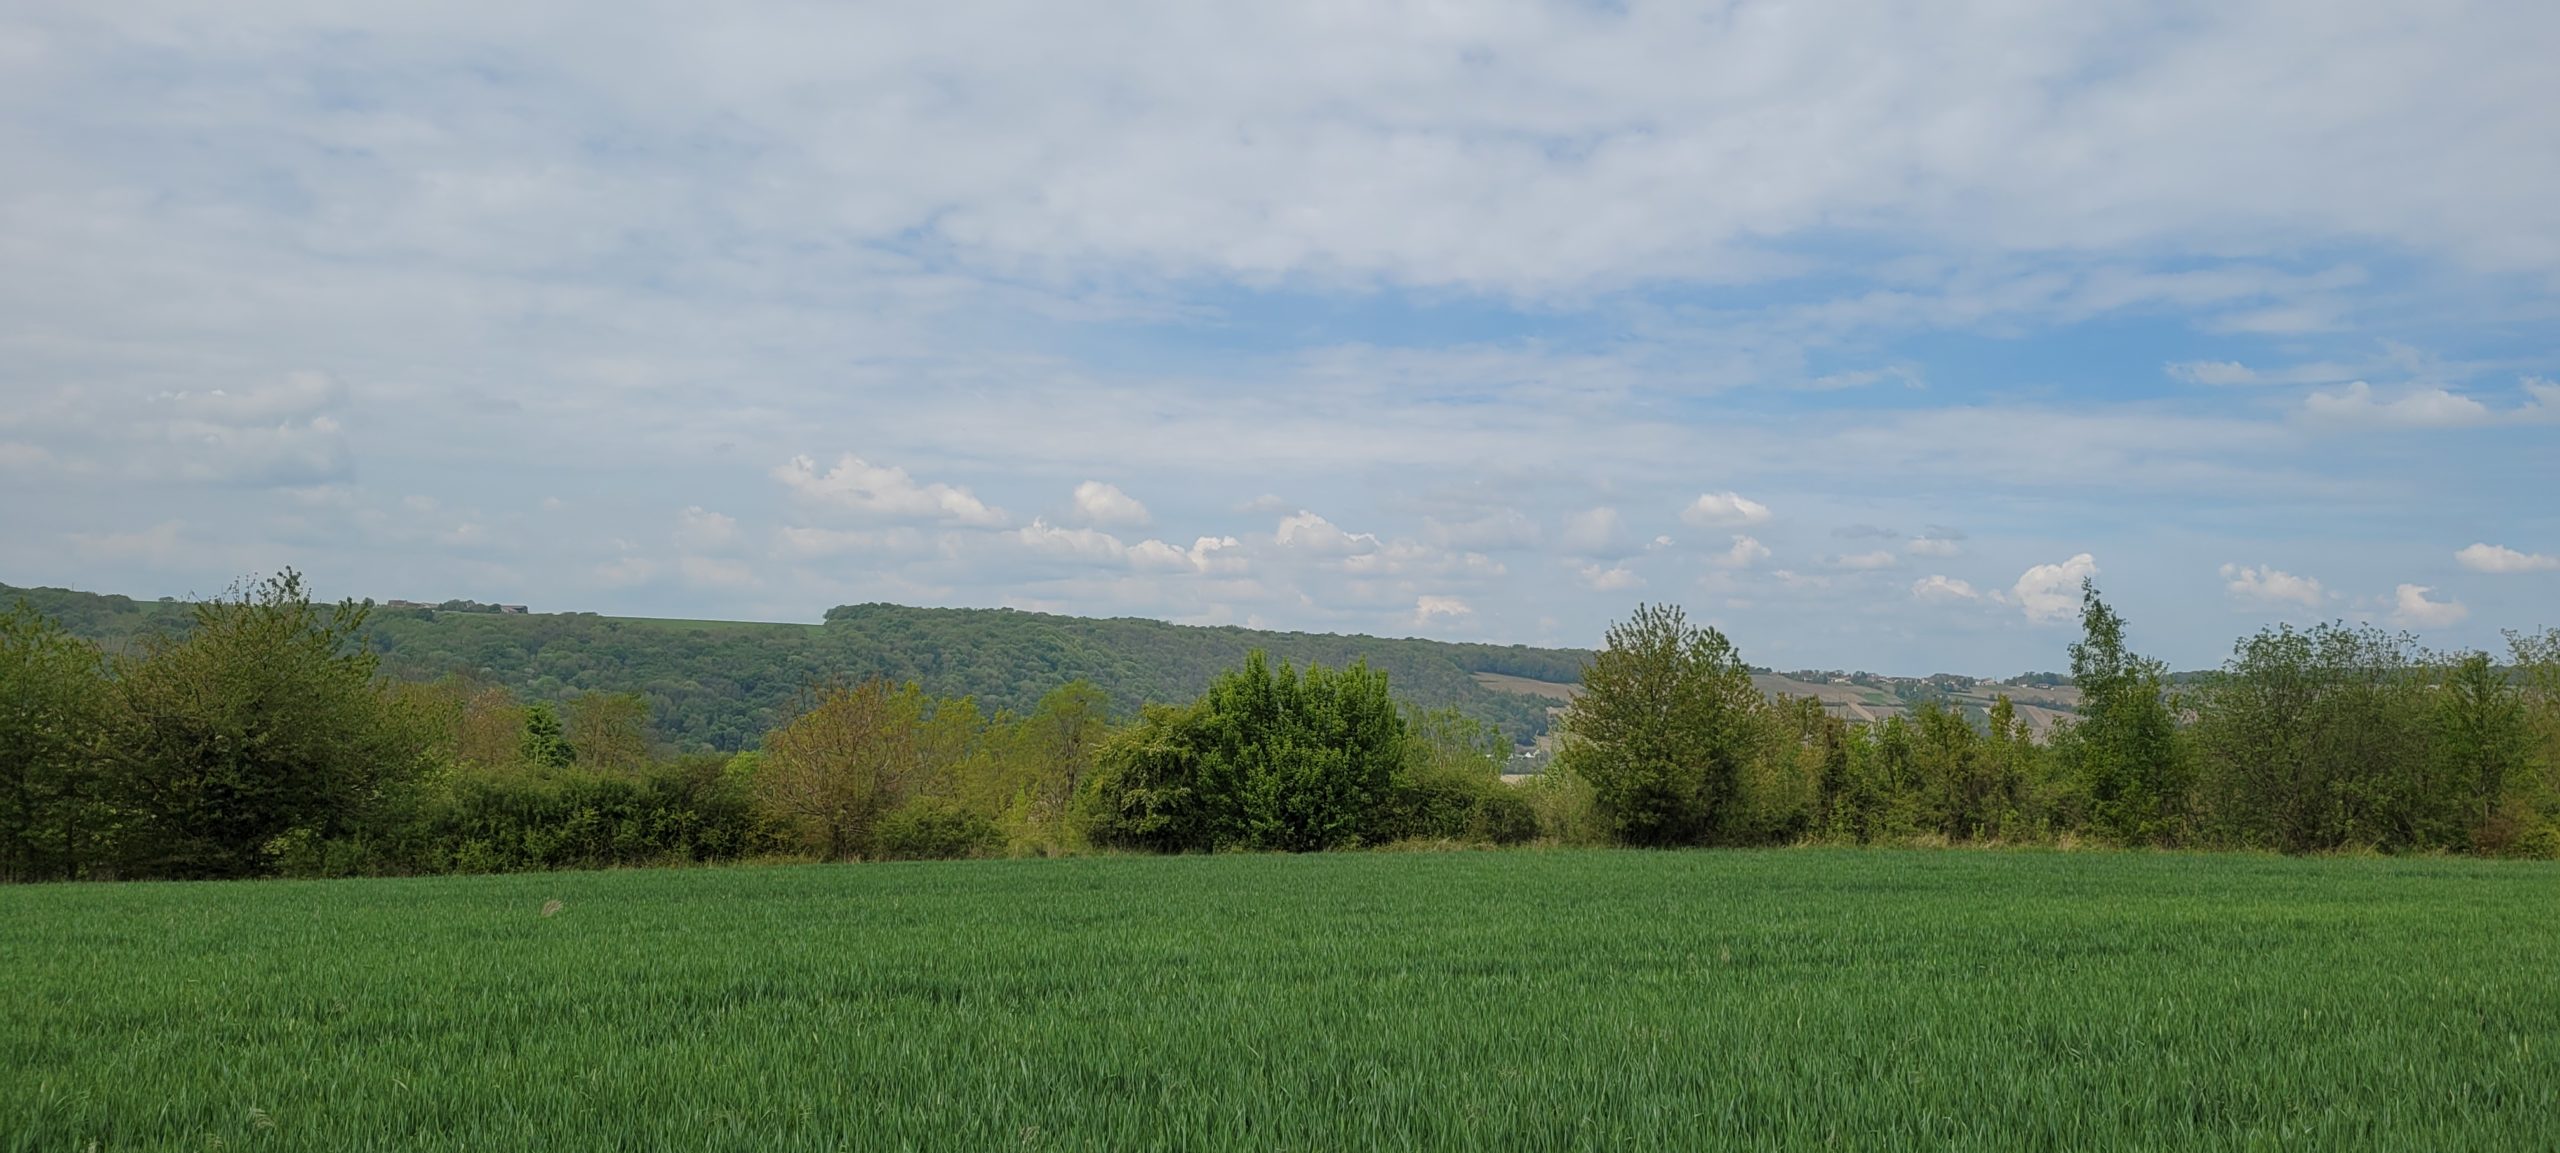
264	739
721	686
2332	738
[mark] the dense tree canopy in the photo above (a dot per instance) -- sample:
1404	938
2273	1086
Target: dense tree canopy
257	733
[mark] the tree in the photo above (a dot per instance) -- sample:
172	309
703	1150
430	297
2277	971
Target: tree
1665	719
544	745
263	725
610	731
2484	743
849	759
52	692
2125	747
1264	760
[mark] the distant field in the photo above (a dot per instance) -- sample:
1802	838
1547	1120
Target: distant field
2040	707
1354	1001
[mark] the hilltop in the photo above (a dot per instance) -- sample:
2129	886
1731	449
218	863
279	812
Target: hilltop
723	684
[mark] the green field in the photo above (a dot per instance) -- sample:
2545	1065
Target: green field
1689	1000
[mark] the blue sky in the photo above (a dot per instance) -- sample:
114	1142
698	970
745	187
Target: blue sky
1862	330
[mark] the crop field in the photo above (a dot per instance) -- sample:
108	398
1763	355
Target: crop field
1535	1000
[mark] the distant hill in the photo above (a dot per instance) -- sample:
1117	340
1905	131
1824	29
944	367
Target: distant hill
723	684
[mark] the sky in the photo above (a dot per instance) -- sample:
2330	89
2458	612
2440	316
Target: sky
1862	330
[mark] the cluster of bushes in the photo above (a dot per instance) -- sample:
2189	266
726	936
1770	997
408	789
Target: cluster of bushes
262	740
2308	740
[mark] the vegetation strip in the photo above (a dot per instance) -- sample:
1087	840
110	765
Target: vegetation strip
1530	1000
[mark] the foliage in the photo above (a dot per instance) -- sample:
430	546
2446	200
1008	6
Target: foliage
723	685
1665	723
1264	760
262	724
937	829
2123	754
52	691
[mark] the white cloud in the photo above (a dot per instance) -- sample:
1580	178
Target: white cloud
1082	544
1881	558
1428	609
1105	505
859	486
2490	558
1609	578
1209	554
2051	592
2271	586
1745	552
1943	588
2412	609
1725	509
1932	546
1307	532
2426	407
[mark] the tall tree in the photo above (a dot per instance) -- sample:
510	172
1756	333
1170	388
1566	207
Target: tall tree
261	724
1665	719
2125	747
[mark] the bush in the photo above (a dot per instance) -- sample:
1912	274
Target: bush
934	829
1503	816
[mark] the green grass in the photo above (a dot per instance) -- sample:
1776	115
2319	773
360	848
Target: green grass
1355	1001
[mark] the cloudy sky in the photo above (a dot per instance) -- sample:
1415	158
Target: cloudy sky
1864	330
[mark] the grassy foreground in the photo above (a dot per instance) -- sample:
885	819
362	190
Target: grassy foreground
1515	1000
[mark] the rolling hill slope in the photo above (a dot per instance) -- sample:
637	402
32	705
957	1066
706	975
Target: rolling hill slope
723	684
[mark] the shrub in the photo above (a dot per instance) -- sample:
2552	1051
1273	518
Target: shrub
934	829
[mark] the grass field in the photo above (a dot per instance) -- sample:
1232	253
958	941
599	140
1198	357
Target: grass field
1351	1001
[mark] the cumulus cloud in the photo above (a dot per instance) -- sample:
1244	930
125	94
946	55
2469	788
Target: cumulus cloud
2411	608
1105	505
858	486
2490	558
1943	589
1745	552
1308	532
1881	558
1208	554
1725	510
2051	592
2271	586
1932	546
1430	609
1082	544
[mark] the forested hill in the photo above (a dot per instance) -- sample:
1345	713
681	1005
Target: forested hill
723	684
